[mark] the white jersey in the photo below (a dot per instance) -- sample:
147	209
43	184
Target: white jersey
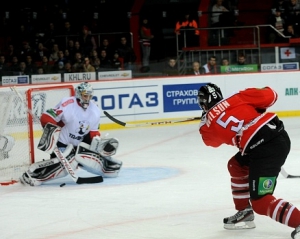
77	121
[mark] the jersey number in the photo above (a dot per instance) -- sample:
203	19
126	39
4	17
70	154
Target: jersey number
224	124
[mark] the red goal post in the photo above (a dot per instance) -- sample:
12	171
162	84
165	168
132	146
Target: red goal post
17	123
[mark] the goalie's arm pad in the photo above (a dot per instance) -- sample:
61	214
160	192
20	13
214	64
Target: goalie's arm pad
45	119
6	143
49	138
105	147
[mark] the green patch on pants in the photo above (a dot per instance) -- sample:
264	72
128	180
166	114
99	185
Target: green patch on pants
266	185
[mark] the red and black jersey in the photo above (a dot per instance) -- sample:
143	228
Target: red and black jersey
236	119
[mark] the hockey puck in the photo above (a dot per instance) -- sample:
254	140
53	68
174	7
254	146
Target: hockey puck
63	184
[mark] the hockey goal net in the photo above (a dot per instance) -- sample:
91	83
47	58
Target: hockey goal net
24	130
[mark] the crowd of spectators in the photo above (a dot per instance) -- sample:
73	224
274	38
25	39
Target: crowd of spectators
285	18
54	40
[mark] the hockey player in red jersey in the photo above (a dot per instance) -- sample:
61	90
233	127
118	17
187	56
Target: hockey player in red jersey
263	145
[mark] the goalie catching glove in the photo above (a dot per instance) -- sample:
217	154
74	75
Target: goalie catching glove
104	146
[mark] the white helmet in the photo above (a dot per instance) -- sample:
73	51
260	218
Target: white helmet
84	92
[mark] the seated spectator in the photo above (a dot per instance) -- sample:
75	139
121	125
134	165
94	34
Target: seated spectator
40	52
22	69
4	66
71	48
14	68
31	66
290	32
171	68
93	56
241	59
197	69
40	71
54	53
10	52
107	47
59	68
67	56
105	61
25	51
96	65
87	67
47	68
116	62
61	57
68	67
211	66
77	48
78	63
225	62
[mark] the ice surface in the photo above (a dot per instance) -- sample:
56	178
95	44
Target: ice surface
171	186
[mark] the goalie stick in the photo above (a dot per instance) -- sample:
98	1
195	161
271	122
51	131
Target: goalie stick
65	163
148	123
286	175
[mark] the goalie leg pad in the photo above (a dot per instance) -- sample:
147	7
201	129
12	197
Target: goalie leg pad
95	163
49	138
47	170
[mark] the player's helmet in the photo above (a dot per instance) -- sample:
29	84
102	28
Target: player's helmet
84	93
208	96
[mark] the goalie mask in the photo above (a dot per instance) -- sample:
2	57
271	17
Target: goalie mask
84	93
208	96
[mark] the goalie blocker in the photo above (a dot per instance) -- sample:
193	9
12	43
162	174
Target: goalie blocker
95	158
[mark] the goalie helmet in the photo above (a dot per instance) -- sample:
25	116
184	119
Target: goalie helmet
208	96
84	93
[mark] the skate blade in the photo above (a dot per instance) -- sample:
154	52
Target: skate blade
240	225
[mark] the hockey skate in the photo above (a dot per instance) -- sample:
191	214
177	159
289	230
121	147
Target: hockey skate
241	220
296	233
25	179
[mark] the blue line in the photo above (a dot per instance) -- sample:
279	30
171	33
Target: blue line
125	87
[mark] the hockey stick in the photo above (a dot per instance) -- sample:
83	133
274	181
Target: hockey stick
286	175
65	163
148	123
